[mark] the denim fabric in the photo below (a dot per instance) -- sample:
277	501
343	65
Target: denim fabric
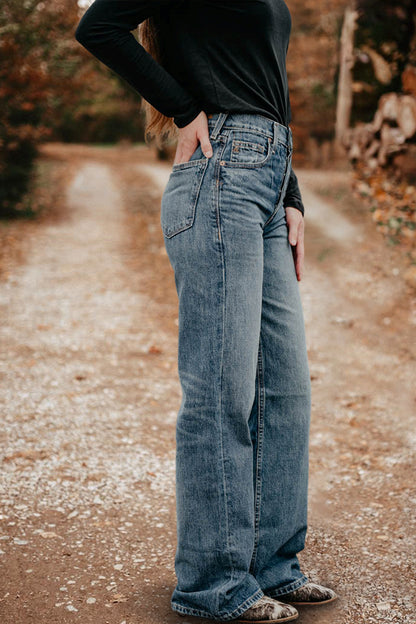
242	430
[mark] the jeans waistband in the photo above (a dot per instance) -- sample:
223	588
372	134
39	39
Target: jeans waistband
247	121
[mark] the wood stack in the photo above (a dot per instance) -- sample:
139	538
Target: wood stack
391	132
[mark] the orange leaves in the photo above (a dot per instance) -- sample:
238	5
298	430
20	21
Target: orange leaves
153	349
393	205
31	86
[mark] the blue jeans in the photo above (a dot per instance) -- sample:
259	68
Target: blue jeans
242	430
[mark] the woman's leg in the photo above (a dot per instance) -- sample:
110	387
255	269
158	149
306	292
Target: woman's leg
218	273
213	217
280	421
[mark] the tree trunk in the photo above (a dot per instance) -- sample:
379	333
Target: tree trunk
344	100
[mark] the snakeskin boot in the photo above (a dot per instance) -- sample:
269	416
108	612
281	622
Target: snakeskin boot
309	594
266	611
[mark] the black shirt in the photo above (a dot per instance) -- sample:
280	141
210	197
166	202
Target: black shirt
216	55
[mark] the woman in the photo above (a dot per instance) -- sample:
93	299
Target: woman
232	219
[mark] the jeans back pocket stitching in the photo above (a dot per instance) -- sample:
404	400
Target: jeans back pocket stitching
188	222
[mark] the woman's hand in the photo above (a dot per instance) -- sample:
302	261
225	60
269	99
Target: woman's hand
189	137
295	222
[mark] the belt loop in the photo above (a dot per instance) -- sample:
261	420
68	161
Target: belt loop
290	137
275	135
218	125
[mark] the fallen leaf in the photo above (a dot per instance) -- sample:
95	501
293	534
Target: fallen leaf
154	349
119	598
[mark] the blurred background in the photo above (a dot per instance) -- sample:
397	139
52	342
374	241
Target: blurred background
88	337
352	75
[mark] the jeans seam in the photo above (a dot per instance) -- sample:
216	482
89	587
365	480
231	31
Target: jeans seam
217	186
222	255
259	455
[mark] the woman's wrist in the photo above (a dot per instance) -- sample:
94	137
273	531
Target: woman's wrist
184	119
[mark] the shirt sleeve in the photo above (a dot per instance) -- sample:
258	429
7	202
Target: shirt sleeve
293	195
105	31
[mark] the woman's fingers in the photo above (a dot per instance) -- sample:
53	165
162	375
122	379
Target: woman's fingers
300	252
202	133
189	137
295	222
206	145
186	146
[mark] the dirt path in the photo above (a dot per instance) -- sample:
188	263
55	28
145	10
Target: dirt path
90	395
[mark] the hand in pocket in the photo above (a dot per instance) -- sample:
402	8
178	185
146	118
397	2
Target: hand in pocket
189	138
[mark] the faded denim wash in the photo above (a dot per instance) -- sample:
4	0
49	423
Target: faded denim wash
242	430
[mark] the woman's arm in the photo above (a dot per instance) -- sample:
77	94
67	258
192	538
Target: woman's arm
293	204
293	196
105	31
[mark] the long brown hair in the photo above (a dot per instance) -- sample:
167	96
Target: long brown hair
157	126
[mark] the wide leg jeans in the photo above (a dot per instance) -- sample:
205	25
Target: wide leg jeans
242	430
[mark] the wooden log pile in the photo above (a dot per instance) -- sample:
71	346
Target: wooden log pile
391	132
383	154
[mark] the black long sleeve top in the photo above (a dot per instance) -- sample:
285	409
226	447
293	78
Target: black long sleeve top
216	55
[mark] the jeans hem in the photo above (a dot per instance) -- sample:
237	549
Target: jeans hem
226	616
286	589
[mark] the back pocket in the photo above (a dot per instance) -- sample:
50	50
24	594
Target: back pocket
177	211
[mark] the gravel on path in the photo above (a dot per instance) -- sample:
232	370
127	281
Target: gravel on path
90	393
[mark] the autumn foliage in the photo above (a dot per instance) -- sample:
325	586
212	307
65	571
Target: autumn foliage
23	98
51	89
385	78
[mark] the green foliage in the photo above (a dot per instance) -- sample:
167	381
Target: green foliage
324	97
